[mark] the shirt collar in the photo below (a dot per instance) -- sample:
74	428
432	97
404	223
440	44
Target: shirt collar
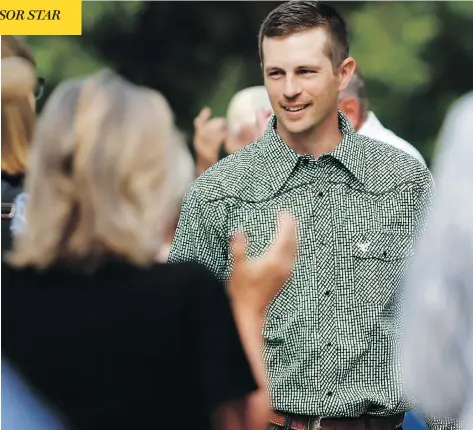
350	151
279	159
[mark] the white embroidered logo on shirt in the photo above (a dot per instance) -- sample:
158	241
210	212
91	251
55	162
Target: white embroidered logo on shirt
363	246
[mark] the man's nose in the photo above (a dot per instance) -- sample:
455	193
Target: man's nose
292	87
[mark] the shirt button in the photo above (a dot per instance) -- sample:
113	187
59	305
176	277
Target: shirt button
305	161
329	393
327	293
321	194
329	344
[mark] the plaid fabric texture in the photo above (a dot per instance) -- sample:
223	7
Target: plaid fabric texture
332	336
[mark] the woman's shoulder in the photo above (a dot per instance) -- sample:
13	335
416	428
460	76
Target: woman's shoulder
177	276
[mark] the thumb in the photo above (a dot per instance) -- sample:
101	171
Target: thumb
203	116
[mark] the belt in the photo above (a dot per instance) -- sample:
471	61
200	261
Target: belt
365	422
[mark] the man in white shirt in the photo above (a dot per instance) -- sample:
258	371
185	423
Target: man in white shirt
354	104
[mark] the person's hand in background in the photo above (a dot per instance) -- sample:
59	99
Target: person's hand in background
209	135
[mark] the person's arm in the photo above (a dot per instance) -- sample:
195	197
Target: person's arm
254	283
242	404
252	286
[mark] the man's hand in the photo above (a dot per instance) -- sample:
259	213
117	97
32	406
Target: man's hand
209	134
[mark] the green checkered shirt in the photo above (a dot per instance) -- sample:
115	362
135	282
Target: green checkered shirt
332	334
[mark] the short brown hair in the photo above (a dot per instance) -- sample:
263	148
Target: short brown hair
18	118
298	15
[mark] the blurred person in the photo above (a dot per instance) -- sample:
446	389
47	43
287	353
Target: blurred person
438	335
330	336
22	409
353	102
18	121
242	117
108	337
246	121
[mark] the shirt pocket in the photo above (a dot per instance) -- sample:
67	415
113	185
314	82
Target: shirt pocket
380	260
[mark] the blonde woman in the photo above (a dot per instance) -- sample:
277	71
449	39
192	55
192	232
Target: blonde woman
108	336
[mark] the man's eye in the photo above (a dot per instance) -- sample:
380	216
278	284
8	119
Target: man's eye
275	73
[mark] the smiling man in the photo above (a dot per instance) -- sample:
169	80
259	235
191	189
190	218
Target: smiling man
331	335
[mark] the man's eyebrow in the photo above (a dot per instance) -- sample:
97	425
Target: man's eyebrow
269	68
314	67
309	66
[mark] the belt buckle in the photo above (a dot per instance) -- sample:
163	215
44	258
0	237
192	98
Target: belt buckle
314	423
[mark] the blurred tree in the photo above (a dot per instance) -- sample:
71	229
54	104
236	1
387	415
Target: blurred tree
417	56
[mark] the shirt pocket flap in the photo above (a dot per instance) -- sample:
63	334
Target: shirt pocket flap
382	245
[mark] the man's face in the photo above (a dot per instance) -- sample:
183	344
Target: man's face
300	80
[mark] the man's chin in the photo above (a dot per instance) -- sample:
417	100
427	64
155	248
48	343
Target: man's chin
297	129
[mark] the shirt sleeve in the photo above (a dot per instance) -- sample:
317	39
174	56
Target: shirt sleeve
217	357
200	235
438	335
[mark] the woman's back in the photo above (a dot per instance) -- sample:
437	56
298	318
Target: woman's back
126	347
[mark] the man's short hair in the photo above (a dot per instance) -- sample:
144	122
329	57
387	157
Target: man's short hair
356	88
244	105
298	15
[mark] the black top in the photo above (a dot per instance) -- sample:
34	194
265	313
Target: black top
125	348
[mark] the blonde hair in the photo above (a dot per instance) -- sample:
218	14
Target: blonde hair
18	117
101	178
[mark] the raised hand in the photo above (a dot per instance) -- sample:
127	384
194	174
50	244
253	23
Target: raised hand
209	134
254	283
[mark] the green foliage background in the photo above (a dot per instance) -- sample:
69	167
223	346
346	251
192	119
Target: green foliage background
417	57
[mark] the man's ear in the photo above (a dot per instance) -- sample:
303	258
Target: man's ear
346	70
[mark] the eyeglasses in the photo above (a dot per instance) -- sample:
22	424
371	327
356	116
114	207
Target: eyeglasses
39	89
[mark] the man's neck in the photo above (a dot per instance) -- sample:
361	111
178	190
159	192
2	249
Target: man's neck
320	140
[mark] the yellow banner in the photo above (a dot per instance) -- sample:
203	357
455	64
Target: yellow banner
41	17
